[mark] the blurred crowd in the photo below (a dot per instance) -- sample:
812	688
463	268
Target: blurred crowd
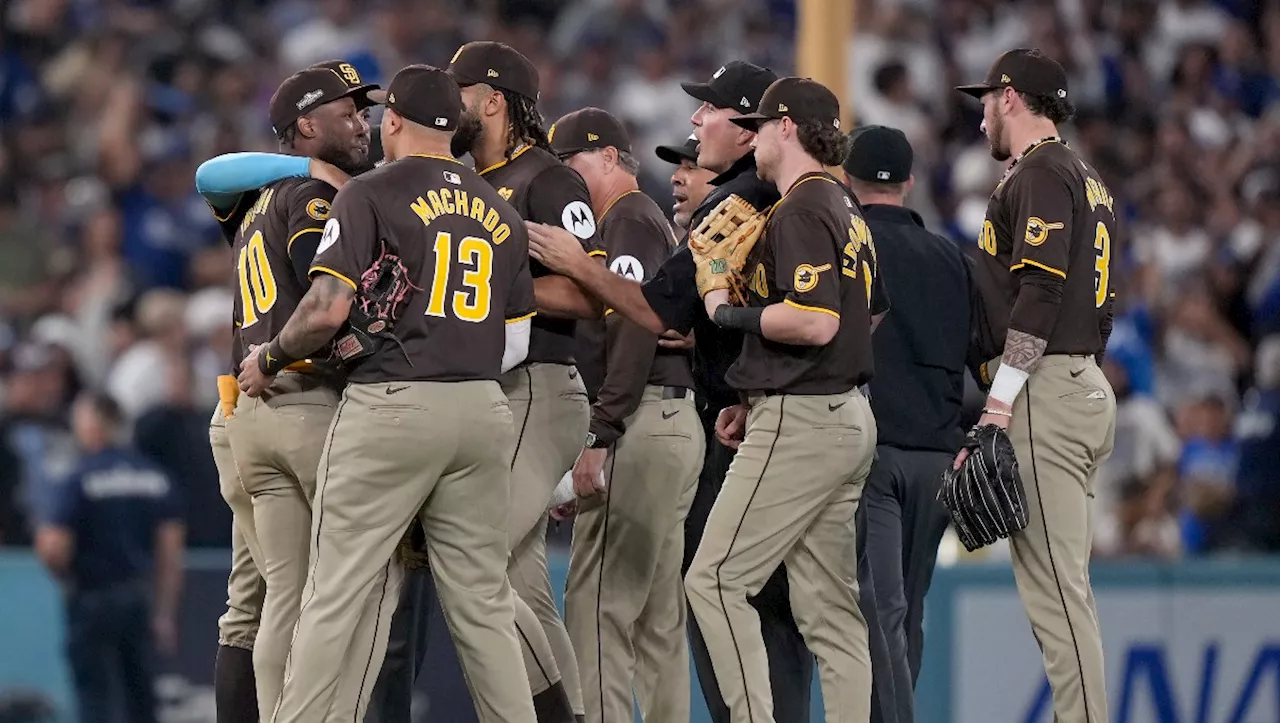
113	274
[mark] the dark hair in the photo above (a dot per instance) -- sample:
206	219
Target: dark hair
826	144
889	75
524	122
1058	110
104	406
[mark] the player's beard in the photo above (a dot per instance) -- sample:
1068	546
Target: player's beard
467	135
350	160
995	131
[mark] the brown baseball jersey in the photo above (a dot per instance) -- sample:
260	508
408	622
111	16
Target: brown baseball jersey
1044	255
544	190
636	239
816	254
274	232
465	248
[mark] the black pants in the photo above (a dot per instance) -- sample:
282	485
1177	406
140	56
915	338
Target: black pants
109	647
790	662
903	524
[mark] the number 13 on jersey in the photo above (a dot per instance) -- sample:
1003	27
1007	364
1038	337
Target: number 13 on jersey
473	302
1101	264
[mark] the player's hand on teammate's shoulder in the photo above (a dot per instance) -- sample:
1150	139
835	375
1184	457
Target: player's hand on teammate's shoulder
329	173
252	381
731	425
555	247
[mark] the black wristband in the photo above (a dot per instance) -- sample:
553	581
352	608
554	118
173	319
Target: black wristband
273	359
745	318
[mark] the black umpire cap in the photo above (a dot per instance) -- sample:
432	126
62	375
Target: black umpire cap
423	94
799	99
352	78
586	130
303	91
1026	70
879	154
687	151
495	64
736	85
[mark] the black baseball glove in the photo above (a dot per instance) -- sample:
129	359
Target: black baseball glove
384	291
413	547
985	495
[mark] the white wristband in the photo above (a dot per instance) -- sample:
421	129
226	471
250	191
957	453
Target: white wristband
1007	384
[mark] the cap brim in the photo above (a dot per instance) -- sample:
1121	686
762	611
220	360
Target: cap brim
360	94
675	154
376	96
750	121
975	90
461	80
704	93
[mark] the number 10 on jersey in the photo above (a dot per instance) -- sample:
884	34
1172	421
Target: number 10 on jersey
472	302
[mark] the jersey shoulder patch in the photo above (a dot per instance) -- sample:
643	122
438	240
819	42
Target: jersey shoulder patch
318	208
628	267
578	220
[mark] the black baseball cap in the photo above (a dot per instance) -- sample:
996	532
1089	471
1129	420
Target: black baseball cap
1026	70
687	151
586	130
423	94
737	84
799	99
495	64
352	78
303	91
879	154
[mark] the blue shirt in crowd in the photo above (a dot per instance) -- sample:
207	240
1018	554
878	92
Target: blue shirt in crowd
113	504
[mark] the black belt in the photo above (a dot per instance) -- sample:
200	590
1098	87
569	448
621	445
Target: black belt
675	392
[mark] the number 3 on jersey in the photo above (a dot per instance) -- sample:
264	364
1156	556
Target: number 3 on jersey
473	302
257	284
1101	264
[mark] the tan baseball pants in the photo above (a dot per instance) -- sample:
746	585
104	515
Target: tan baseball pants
276	441
1063	429
238	626
790	496
624	597
551	412
441	451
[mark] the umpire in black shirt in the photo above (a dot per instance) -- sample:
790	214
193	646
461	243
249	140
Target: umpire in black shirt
670	300
920	350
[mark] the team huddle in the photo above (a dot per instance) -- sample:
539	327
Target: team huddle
431	361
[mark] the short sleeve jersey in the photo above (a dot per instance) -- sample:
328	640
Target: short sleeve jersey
1051	215
465	249
274	232
816	254
544	190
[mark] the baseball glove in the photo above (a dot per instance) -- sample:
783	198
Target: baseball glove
721	244
985	495
384	291
413	547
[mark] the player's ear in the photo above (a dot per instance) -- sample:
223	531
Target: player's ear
910	184
307	127
391	122
495	103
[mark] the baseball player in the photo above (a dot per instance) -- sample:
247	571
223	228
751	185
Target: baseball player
636	475
670	300
690	183
920	352
275	444
805	436
423	429
1044	263
502	130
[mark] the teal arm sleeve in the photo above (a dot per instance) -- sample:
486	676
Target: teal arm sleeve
221	180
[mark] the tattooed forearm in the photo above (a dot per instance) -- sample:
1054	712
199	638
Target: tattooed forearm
1022	351
318	317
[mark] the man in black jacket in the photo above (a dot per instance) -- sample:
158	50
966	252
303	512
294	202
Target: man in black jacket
916	395
670	300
